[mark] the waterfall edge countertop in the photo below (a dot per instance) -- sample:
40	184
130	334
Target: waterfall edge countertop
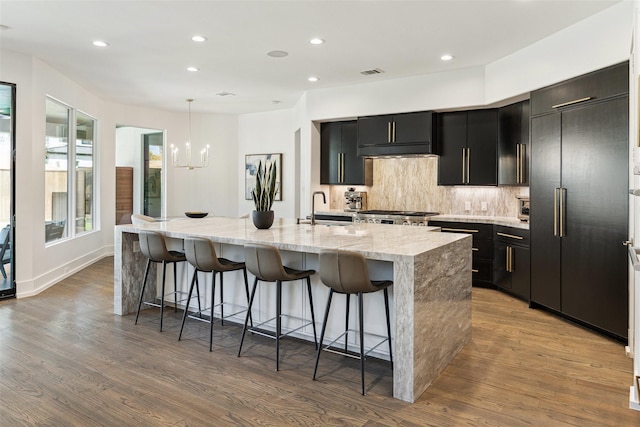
374	241
431	272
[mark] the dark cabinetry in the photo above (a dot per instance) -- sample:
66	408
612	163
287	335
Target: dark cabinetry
579	200
513	144
511	262
482	265
339	162
468	142
397	134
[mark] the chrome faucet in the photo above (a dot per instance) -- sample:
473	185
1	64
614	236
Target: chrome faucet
313	205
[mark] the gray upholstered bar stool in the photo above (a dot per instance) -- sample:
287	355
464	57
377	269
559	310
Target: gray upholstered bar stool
265	262
346	272
154	247
201	254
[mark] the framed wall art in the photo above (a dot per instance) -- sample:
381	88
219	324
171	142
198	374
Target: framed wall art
251	167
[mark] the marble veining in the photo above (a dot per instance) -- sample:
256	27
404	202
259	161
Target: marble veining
412	184
431	273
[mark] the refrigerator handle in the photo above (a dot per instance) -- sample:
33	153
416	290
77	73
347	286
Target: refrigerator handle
555	212
563	212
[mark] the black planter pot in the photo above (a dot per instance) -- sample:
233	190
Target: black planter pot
262	219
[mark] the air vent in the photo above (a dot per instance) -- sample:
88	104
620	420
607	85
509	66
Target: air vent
225	94
370	72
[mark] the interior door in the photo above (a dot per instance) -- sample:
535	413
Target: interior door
152	174
7	189
595	175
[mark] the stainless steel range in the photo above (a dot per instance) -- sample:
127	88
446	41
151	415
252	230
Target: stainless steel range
394	217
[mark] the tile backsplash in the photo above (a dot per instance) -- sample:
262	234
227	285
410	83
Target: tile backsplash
411	184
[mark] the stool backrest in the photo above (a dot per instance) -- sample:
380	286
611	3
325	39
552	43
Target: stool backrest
153	246
345	272
202	254
141	219
264	262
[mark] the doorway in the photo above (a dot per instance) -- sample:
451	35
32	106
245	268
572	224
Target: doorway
139	172
7	189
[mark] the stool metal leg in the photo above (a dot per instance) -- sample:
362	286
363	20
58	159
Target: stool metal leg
175	287
213	295
386	308
246	320
144	285
221	298
346	323
164	276
186	308
324	327
246	288
278	321
313	317
361	316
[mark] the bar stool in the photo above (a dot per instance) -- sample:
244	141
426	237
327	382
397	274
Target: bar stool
154	247
265	263
201	254
346	272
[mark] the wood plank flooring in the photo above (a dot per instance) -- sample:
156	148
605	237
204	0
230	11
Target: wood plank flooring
67	360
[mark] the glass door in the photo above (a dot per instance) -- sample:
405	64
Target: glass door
7	188
152	174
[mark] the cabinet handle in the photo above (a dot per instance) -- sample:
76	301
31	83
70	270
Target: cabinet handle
563	212
468	169
388	132
507	262
464	168
575	101
473	270
475	249
523	164
460	230
555	212
393	131
511	236
518	164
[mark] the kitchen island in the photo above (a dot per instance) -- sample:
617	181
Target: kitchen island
431	273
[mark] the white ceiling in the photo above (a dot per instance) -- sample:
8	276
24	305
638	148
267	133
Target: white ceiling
150	43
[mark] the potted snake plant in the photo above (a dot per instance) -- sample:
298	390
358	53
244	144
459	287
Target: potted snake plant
264	194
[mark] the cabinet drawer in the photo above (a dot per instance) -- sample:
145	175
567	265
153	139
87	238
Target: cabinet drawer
511	235
482	249
481	271
600	84
479	231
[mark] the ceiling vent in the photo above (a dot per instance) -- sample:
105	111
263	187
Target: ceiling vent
225	94
370	72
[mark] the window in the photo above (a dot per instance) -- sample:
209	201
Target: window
69	171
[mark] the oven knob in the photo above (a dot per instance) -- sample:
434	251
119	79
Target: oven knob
406	223
421	224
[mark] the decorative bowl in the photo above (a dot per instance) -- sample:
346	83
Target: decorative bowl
196	214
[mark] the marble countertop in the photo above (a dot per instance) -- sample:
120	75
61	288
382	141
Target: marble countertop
481	219
374	241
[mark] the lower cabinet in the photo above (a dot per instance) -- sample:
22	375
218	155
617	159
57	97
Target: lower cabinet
482	266
511	261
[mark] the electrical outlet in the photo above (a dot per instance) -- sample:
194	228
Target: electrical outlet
483	206
467	206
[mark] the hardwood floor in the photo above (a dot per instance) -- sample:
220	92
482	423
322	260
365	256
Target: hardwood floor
67	360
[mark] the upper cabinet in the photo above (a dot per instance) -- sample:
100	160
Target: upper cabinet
600	84
397	134
468	145
339	161
513	144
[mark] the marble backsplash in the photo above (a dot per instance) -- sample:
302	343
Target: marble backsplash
411	184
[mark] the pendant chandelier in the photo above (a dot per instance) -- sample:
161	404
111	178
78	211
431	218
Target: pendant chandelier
179	161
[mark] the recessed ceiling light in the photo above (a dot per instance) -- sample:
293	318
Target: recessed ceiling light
313	79
277	53
199	39
316	41
276	101
100	43
193	69
4	27
446	57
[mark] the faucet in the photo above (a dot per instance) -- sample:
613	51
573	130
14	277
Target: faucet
313	206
